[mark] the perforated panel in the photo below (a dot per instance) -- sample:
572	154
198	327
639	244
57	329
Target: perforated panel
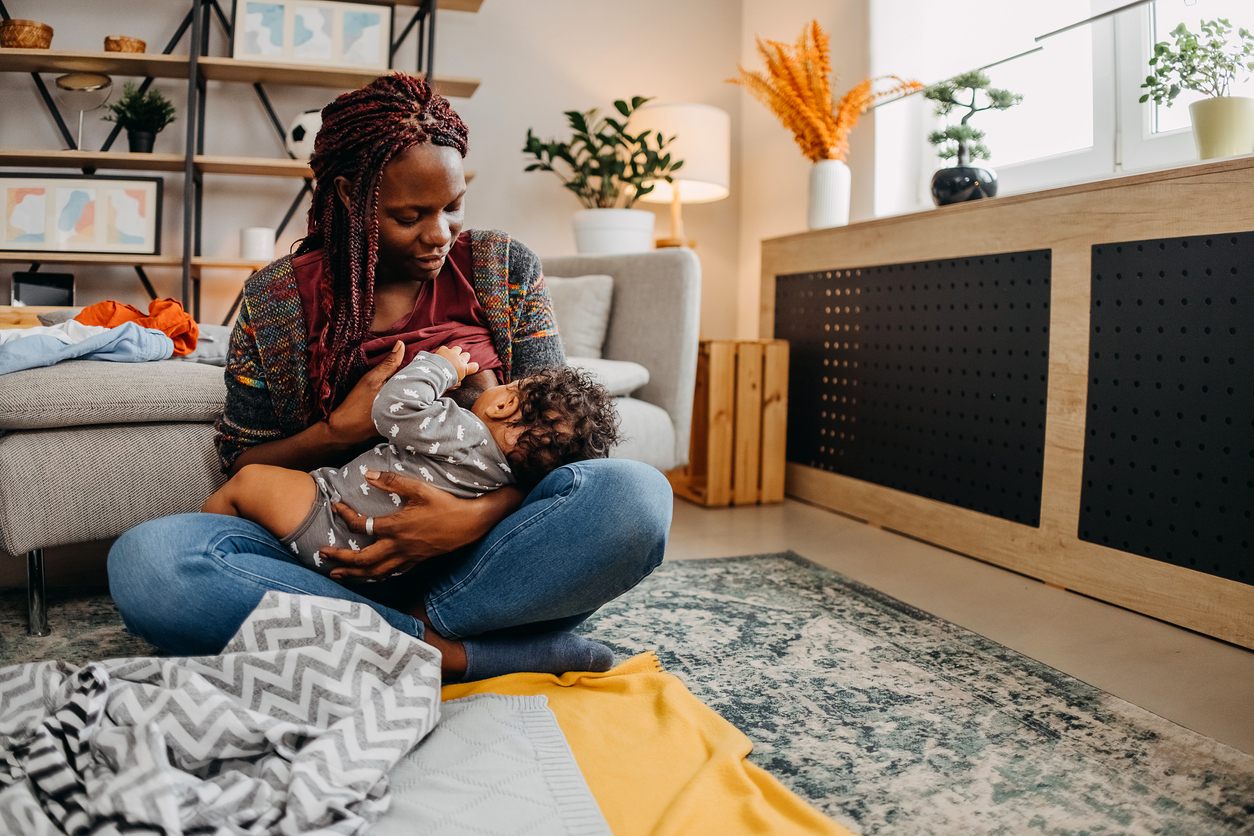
1169	438
927	377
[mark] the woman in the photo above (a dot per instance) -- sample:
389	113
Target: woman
503	576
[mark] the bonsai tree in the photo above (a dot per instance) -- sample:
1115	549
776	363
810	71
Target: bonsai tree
140	112
1208	67
605	163
972	92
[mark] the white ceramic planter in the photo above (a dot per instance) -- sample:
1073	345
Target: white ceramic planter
1223	126
610	231
829	195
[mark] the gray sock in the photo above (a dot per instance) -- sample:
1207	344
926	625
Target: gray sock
556	653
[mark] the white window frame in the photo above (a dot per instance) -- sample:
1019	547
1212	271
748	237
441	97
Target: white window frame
1141	149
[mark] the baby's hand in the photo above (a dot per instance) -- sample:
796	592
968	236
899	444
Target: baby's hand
461	361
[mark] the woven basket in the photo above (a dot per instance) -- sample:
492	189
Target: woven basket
25	34
123	43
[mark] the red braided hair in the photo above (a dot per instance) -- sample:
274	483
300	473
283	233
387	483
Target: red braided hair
361	132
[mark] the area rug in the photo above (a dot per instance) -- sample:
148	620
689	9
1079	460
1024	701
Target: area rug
886	718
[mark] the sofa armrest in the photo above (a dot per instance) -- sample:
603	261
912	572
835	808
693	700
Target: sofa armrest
654	321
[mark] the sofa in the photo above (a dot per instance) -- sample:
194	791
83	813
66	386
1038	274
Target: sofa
90	449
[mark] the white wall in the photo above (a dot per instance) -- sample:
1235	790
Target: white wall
774	174
535	59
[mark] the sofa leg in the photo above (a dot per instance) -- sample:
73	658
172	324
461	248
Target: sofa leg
36	598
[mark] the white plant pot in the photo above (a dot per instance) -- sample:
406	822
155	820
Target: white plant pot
1223	126
829	195
610	231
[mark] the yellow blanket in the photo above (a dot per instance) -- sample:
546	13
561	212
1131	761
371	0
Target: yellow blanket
657	759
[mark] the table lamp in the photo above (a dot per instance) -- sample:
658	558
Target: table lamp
83	92
703	141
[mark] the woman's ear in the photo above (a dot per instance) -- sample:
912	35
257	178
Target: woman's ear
344	188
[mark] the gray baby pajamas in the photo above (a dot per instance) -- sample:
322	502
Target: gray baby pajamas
428	437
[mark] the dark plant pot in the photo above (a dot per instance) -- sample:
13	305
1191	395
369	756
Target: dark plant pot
140	141
963	182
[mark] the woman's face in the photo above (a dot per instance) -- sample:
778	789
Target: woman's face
420	212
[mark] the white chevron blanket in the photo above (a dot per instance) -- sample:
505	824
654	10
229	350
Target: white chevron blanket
291	730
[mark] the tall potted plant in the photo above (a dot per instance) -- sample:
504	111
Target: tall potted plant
608	168
797	87
1223	125
142	115
963	142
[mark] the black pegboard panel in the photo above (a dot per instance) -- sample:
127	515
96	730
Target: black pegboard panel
1169	435
927	377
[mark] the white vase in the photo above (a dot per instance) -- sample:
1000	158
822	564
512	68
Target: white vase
829	195
610	231
1223	126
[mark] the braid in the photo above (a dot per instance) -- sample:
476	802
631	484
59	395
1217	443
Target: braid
361	132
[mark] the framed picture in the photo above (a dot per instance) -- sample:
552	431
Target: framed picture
315	32
69	213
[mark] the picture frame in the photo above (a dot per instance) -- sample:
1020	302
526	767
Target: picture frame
72	213
322	33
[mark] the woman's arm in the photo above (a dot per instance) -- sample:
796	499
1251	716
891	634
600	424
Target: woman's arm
431	522
536	341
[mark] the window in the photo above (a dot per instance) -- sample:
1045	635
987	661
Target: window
1080	119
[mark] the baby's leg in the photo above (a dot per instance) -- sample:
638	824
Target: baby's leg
274	497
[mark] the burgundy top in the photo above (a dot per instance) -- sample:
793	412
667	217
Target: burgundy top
446	312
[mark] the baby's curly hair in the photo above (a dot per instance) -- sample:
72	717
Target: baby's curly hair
566	417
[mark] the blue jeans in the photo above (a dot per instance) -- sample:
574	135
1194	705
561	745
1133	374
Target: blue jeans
585	535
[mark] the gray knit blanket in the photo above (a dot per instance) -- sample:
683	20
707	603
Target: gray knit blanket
291	730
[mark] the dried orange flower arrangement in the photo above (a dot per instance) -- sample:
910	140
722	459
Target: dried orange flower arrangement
797	87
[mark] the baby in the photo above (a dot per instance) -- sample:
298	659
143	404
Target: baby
515	433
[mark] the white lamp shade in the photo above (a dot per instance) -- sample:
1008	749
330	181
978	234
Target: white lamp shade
702	140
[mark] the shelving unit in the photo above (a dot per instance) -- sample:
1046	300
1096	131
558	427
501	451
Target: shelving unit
197	68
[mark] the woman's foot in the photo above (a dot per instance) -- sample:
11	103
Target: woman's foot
556	653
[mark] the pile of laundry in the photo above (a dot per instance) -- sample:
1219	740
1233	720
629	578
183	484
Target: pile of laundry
110	331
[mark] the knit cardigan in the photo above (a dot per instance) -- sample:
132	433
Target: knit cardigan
268	392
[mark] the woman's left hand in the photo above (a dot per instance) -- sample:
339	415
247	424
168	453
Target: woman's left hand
431	522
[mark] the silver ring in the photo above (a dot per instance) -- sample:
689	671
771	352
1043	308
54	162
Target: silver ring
370	525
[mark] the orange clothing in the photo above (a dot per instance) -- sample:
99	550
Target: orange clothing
163	314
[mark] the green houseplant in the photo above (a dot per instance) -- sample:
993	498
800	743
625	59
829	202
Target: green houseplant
1223	125
609	168
973	93
142	115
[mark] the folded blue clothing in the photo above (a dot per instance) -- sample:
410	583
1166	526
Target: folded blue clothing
127	343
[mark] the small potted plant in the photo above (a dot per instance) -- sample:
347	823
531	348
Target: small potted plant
1223	125
972	92
608	168
143	115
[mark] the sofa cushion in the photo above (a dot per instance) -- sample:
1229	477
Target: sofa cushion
619	377
581	307
648	434
80	392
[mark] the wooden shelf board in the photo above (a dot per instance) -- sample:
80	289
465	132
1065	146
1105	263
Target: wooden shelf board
471	6
340	78
79	159
209	263
122	259
140	64
257	166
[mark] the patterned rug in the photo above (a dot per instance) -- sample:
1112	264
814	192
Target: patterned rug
888	719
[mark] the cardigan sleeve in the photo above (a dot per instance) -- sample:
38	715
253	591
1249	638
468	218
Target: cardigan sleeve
536	343
248	417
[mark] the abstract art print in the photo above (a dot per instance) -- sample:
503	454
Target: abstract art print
317	32
71	213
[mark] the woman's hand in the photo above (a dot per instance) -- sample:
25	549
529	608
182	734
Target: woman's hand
351	420
430	523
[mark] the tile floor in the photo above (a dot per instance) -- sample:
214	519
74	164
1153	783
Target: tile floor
1198	682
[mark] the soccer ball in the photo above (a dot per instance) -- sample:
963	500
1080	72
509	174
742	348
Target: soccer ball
301	133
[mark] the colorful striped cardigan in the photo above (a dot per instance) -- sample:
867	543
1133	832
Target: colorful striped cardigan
269	395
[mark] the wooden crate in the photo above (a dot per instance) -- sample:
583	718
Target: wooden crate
739	423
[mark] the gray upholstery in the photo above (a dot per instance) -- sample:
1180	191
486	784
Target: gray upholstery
654	321
61	486
80	392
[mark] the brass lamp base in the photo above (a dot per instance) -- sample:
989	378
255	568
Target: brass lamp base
662	243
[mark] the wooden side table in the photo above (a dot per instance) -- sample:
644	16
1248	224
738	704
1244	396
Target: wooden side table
739	423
